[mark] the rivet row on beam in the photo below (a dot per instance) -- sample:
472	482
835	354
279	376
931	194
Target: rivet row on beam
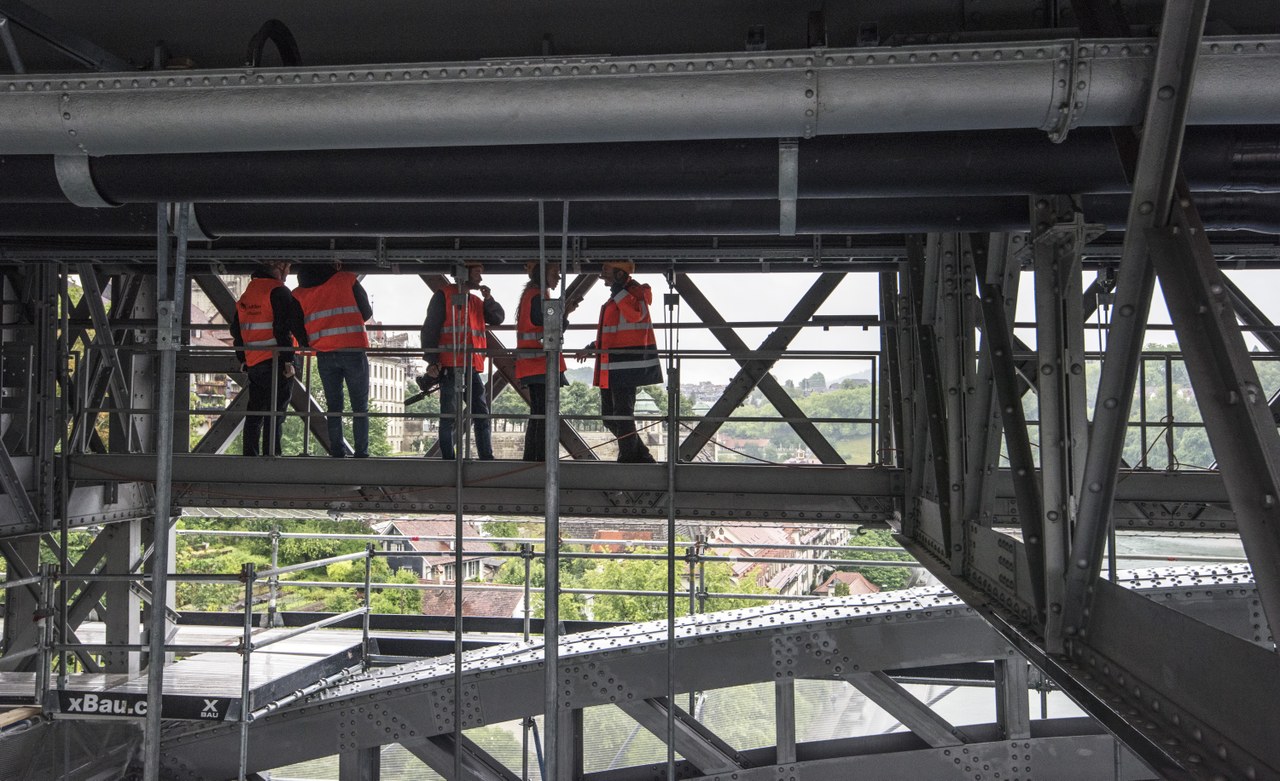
517	69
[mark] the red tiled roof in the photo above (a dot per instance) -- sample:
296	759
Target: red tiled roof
856	581
490	601
441	527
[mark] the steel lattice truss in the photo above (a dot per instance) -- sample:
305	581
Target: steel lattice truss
851	639
955	155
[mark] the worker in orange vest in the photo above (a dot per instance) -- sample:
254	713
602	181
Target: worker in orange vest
626	356
453	341
264	328
335	308
531	360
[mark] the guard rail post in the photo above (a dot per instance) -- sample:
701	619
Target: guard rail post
248	573
368	603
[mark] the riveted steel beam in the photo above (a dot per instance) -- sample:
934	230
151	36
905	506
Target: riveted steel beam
1156	173
504	683
998	305
1230	396
906	708
775	94
441	752
707	752
815	493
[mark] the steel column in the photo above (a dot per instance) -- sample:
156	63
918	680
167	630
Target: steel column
1013	708
169	306
891	394
124	545
362	764
784	718
1057	238
925	291
953	345
998	305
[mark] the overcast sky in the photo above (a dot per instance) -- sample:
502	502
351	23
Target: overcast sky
401	301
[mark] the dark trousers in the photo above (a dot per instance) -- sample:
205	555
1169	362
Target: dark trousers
351	369
535	432
258	427
479	408
620	401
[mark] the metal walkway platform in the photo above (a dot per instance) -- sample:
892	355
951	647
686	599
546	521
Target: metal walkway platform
207	686
811	493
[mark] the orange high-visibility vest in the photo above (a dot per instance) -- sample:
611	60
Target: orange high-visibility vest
257	321
458	330
329	311
530	360
628	346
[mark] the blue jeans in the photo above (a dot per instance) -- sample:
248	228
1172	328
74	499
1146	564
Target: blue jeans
479	406
353	368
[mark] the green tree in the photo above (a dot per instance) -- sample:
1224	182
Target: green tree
887	578
572	606
578	399
659	395
404	601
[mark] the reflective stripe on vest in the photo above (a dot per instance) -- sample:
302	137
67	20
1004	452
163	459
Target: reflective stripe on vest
459	334
330	313
616	333
531	360
340	310
257	320
642	364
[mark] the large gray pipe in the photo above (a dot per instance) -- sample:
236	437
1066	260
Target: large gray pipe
1252	212
999	162
1047	85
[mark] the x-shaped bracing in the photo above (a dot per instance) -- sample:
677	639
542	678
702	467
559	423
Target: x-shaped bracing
756	371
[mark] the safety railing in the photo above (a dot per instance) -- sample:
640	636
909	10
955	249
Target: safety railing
1166	431
250	576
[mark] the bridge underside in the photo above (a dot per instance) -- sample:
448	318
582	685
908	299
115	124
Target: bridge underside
943	154
866	648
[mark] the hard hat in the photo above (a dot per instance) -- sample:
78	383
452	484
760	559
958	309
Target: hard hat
625	265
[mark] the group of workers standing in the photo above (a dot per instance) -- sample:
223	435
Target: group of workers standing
327	312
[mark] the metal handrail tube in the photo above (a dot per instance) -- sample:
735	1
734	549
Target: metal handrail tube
169	648
255	646
117	577
705	595
840	562
499	587
305	691
266	573
27	581
527	540
24	653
